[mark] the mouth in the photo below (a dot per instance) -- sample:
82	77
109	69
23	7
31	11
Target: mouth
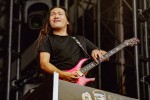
55	21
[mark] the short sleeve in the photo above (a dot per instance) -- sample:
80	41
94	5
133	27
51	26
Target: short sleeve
90	46
45	45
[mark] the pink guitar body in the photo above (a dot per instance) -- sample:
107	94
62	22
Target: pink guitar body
82	79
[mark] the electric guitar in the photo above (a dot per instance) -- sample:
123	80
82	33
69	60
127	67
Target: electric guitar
82	71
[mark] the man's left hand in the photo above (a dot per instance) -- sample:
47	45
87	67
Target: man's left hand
97	55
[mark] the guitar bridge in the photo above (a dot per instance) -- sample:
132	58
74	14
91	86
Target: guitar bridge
79	73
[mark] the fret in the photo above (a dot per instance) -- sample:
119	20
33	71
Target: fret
91	65
113	51
107	55
88	67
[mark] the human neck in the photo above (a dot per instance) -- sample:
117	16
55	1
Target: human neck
60	32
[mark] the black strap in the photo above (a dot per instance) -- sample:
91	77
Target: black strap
78	42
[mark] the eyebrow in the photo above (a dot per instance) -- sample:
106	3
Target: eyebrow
57	12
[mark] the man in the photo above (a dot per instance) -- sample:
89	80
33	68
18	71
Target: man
58	51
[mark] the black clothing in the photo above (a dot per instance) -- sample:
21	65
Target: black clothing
64	51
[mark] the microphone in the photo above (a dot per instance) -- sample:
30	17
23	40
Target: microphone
144	15
18	83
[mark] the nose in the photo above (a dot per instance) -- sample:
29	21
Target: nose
56	16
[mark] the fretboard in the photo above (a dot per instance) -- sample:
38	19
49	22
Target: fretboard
92	64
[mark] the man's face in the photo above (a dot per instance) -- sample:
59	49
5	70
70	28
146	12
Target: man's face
58	19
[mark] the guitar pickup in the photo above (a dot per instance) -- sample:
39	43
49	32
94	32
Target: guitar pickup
79	73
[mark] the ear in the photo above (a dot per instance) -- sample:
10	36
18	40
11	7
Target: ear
67	22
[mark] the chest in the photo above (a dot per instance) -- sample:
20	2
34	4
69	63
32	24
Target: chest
64	45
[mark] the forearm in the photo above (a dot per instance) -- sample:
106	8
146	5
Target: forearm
50	68
67	76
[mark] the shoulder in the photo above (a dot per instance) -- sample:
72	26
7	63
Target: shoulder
48	37
79	37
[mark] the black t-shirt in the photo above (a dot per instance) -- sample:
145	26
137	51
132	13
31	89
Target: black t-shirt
65	53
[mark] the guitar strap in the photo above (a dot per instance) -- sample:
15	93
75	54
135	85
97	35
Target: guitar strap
80	45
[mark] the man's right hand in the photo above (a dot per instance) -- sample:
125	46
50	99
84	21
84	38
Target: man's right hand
68	76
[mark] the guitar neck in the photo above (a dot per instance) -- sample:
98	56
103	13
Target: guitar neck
113	51
91	65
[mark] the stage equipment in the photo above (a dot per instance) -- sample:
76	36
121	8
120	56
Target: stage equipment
144	15
146	79
35	11
63	90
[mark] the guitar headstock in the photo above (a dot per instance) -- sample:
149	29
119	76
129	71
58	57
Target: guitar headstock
132	41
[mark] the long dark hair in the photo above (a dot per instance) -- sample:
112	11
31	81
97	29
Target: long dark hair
46	28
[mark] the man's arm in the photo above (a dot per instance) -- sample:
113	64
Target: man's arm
50	68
